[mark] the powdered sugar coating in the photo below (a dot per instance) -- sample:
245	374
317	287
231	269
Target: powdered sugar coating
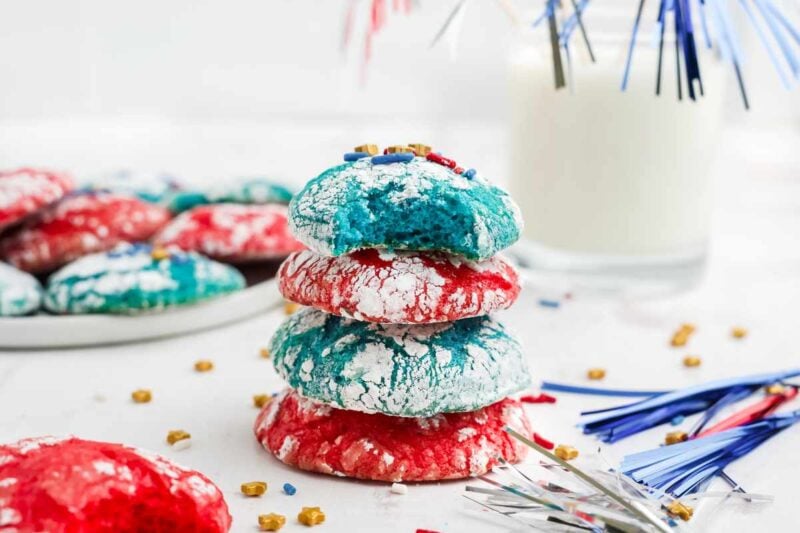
65	485
26	190
399	287
232	232
418	205
398	370
128	280
78	225
302	433
20	293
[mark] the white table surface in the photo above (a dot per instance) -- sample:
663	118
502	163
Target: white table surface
753	280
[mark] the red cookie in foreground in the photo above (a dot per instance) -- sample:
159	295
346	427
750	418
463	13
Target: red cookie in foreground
316	437
399	287
26	190
72	485
232	232
79	225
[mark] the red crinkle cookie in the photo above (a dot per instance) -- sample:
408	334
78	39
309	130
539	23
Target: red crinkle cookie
79	225
313	436
73	485
232	232
399	287
26	190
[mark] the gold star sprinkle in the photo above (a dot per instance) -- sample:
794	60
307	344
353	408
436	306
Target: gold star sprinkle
371	149
264	352
596	373
142	396
565	453
311	516
682	511
204	365
738	333
691	361
290	308
254	488
159	254
775	388
398	149
421	149
177	435
260	400
674	437
271	521
681	337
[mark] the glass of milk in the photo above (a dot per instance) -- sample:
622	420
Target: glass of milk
614	186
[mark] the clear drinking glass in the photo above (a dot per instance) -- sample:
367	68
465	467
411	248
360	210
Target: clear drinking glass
615	186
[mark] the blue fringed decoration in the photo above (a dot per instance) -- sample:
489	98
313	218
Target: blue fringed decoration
616	423
686	467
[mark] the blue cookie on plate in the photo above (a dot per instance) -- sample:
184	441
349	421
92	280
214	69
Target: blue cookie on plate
401	201
398	370
137	278
254	190
20	293
154	187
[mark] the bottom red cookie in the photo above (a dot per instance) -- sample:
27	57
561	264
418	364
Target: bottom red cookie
319	438
73	485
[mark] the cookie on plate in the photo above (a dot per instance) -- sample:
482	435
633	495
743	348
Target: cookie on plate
232	232
70	485
25	190
137	278
399	287
250	190
398	370
20	293
319	438
402	202
155	187
78	225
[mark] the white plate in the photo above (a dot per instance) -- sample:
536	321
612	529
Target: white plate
47	331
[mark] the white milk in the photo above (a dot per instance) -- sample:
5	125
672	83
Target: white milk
618	176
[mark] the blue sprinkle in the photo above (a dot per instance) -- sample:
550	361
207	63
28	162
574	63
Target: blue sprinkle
678	420
355	156
289	489
469	174
403	157
549	303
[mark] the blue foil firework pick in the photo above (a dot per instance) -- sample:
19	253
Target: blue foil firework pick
616	423
687	467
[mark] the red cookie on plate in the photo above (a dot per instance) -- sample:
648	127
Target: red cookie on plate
399	287
72	485
25	190
79	225
232	232
319	438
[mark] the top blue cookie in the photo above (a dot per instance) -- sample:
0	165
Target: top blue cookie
406	205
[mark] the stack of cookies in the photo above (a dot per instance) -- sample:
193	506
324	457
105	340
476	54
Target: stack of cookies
397	371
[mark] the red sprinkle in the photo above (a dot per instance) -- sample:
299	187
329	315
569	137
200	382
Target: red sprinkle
458	170
426	531
543	442
540	398
436	158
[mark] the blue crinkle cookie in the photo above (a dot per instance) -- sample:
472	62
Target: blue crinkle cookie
131	279
155	187
20	293
254	190
415	205
398	370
